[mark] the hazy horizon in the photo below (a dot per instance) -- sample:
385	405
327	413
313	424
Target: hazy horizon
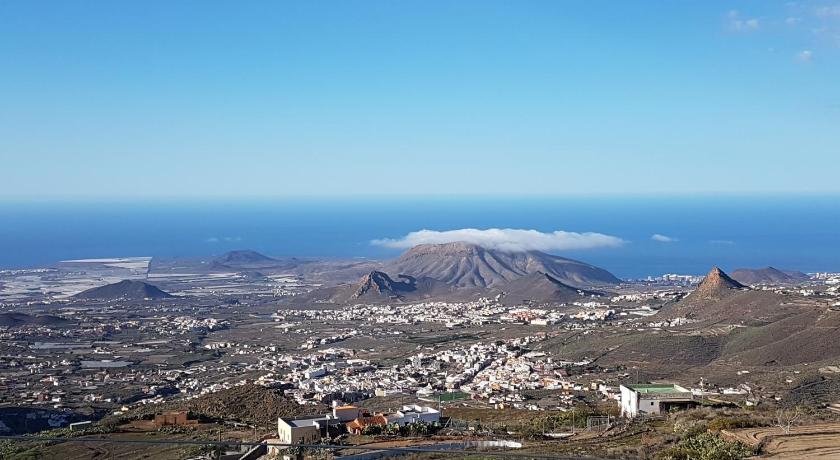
631	236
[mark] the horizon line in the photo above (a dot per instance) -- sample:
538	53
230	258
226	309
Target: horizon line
83	199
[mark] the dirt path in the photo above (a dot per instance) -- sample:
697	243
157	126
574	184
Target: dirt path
810	441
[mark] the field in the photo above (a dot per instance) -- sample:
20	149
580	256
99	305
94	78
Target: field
811	441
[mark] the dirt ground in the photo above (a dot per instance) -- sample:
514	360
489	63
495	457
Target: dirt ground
810	441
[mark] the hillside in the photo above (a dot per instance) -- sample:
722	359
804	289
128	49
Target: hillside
252	404
721	298
540	287
469	265
378	286
15	319
126	289
767	275
715	285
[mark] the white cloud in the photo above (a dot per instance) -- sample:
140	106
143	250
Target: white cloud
226	239
663	238
832	11
740	24
792	21
804	56
506	239
722	242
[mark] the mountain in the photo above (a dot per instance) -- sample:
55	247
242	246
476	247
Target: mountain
715	285
243	257
125	289
13	319
541	287
719	297
767	275
469	265
378	286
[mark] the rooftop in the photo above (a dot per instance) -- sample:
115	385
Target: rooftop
656	388
304	421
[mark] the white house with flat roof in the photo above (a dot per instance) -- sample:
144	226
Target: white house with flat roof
414	414
303	430
652	399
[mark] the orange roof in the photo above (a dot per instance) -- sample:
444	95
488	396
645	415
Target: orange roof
362	422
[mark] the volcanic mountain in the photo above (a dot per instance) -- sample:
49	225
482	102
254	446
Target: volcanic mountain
125	289
767	275
469	265
540	287
721	298
378	286
243	257
715	285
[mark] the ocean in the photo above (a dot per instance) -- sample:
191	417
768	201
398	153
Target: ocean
801	232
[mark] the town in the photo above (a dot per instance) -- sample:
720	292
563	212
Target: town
360	369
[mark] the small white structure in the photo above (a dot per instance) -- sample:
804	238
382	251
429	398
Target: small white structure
315	373
303	430
413	414
651	399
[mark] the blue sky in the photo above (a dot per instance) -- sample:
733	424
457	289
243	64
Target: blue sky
241	99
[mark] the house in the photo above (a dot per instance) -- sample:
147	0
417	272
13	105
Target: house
173	418
358	425
345	413
652	399
414	414
304	430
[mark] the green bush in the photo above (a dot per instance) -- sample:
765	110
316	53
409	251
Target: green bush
372	430
706	446
687	428
729	423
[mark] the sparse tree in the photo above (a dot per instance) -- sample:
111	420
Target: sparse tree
786	418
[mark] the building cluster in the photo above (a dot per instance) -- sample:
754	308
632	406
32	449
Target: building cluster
450	314
354	420
673	279
199	325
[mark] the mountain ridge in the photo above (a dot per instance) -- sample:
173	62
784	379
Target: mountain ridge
541	287
470	265
767	275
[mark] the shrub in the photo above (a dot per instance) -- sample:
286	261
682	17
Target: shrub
728	423
706	446
687	428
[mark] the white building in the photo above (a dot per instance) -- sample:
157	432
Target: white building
303	430
652	399
345	413
414	414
